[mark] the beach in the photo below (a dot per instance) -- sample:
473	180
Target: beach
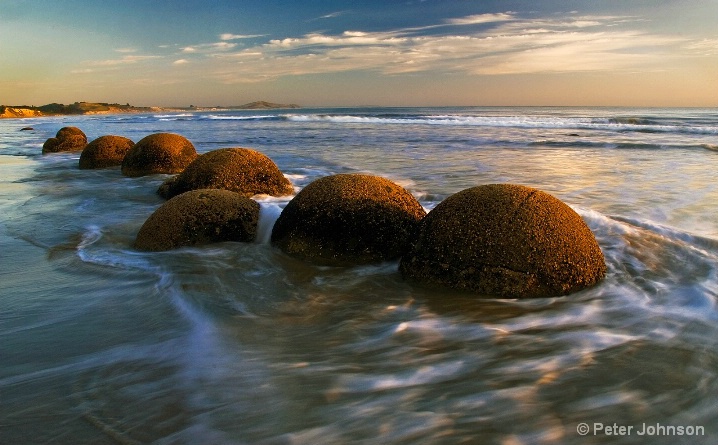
238	343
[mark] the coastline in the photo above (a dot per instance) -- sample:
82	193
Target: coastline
92	108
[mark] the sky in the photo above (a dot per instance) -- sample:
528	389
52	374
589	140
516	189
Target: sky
360	53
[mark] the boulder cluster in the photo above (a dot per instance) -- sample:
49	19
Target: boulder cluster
496	240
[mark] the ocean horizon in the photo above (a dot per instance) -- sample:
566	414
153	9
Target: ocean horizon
238	343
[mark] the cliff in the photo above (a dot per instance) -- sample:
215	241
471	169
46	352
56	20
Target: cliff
55	109
16	112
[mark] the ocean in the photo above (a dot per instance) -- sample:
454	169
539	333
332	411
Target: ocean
236	343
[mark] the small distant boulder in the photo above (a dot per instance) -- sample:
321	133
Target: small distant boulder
505	240
240	170
105	151
348	219
199	217
66	139
167	153
27	129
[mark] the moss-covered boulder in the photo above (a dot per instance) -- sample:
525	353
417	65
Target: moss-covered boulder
199	217
66	139
159	153
240	170
348	219
105	151
505	240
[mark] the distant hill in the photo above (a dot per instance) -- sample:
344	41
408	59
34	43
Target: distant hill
90	108
55	109
262	105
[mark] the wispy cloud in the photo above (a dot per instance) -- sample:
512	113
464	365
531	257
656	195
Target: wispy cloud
508	45
209	47
228	36
704	47
329	16
484	44
125	60
481	19
93	66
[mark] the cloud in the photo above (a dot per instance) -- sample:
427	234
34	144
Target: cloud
93	66
481	18
504	44
180	62
125	60
704	47
209	47
228	36
333	14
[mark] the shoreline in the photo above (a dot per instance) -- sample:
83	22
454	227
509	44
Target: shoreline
87	108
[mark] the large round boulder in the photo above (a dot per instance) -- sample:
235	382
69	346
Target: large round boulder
505	240
66	139
159	153
105	151
348	219
199	217
240	170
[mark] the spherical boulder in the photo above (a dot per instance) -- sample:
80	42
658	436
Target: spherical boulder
348	219
240	170
199	217
105	151
504	240
66	139
159	153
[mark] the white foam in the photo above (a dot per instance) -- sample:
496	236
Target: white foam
421	376
240	118
124	259
268	213
169	116
506	121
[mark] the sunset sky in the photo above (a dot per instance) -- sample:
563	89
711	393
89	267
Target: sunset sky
351	53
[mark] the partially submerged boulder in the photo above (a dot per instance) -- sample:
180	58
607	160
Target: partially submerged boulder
348	219
199	217
505	240
66	139
159	153
240	170
105	151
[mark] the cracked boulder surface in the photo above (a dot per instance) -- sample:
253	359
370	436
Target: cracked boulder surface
167	153
199	217
507	241
348	219
240	170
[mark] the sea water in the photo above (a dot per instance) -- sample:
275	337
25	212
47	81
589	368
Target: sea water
236	343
